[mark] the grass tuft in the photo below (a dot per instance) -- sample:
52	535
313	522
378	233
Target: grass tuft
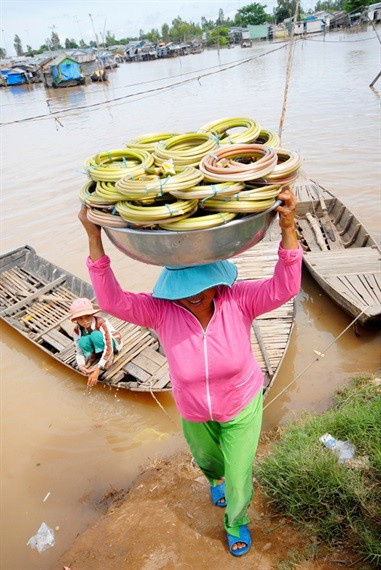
304	480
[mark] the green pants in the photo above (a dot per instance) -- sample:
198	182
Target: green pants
93	342
227	449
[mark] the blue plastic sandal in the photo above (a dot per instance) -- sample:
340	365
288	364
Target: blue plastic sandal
244	536
218	492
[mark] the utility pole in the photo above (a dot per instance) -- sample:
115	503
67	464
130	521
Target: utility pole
97	44
79	27
5	43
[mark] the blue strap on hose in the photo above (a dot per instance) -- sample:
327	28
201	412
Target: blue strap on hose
163	184
109	156
124	162
171	213
217	139
215	192
114	211
222	217
213	156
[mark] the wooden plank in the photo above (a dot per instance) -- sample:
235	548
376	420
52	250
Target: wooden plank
155	356
308	235
49	338
136	372
257	332
35	295
146	364
162	382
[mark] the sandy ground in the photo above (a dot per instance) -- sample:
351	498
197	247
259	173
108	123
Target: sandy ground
167	521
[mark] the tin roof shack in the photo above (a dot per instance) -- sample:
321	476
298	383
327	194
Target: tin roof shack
32	71
87	58
278	31
258	32
374	12
196	46
340	19
313	26
107	58
15	76
325	16
63	71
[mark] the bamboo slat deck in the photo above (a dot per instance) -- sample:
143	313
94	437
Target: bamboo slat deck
35	297
271	332
346	260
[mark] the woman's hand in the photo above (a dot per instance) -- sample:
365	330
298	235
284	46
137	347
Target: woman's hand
287	211
91	228
93	233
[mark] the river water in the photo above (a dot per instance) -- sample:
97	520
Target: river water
57	438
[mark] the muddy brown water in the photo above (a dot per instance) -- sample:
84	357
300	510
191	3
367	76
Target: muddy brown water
56	437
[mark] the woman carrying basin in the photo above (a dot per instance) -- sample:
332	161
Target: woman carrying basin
203	320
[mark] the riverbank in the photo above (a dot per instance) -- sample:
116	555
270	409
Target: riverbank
166	519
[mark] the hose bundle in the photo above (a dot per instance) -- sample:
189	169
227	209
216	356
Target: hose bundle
184	150
239	162
115	164
286	171
167	180
156	186
221	127
148	142
268	138
206	191
150	215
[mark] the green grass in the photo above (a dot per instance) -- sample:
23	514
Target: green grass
304	480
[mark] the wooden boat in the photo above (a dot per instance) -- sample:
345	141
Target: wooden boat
339	252
35	296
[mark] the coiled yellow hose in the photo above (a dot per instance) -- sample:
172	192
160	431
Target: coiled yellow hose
156	186
222	126
206	191
105	219
268	138
260	193
237	206
148	142
150	215
194	223
184	150
89	196
285	172
115	164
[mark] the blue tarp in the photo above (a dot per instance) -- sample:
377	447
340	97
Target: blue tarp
66	70
16	78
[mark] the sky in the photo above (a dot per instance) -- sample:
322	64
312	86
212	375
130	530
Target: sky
33	20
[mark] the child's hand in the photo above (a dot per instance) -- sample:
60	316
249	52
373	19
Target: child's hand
83	369
93	376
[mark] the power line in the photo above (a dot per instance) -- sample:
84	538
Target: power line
339	41
129	96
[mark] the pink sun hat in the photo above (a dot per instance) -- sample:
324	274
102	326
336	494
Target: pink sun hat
82	307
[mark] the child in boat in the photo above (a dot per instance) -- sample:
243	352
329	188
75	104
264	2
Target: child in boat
93	336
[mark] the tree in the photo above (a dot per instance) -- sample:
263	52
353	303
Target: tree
165	32
355	5
329	5
110	39
18	46
82	44
252	14
153	35
29	50
3	53
219	36
286	9
221	17
55	41
141	34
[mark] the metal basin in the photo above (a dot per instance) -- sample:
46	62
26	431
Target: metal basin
163	247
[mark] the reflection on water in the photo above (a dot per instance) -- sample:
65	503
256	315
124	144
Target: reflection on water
61	439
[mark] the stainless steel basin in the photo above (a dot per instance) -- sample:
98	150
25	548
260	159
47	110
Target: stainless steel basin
163	247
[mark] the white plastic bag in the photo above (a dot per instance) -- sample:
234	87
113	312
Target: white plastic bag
44	538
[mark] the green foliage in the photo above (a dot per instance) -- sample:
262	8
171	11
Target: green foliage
329	5
331	500
356	5
18	45
110	39
219	35
70	44
82	44
252	14
3	52
55	41
182	31
165	32
286	9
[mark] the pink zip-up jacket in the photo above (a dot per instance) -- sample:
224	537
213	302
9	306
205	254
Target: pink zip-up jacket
214	373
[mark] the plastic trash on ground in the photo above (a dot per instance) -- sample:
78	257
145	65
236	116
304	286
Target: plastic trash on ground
44	538
343	449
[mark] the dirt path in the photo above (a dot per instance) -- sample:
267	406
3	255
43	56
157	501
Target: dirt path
166	521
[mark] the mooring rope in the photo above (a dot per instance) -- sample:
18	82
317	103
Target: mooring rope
318	357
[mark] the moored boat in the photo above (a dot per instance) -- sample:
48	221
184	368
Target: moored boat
36	294
339	252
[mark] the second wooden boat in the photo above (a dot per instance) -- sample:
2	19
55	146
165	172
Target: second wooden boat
339	252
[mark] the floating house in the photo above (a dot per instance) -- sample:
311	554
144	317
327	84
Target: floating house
374	12
14	76
62	71
107	59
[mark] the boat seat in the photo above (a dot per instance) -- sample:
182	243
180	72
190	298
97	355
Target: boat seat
353	260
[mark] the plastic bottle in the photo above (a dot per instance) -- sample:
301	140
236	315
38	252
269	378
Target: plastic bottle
343	449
